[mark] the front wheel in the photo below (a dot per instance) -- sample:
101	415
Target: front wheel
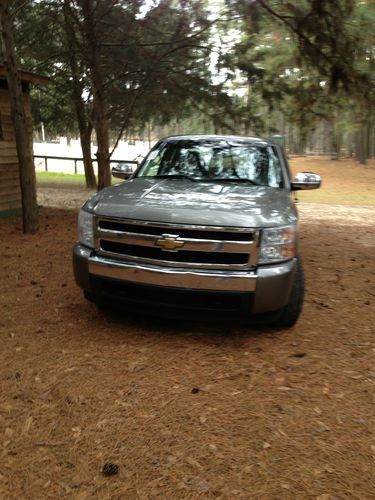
91	297
289	314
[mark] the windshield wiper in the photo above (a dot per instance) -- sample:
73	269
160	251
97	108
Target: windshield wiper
175	176
233	179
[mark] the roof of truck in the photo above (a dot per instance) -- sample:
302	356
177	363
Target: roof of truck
214	138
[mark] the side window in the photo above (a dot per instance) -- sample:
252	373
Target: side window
274	169
152	164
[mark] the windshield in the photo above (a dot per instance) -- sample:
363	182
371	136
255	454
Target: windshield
214	161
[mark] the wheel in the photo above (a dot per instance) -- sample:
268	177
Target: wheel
289	314
94	299
88	296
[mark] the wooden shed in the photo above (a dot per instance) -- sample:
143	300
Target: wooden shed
10	191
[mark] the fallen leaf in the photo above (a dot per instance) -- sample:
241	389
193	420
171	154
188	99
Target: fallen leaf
322	429
9	432
323	426
248	468
329	469
27	425
203	487
171	459
276	408
194	463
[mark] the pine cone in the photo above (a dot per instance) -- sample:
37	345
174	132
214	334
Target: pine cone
110	469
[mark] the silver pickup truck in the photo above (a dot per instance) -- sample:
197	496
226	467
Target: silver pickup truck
206	224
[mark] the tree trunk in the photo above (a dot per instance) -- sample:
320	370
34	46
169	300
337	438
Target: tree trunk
23	139
336	145
369	139
85	139
335	140
149	132
361	145
302	142
85	128
99	102
361	135
291	140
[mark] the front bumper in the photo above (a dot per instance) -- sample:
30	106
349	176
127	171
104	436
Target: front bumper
263	290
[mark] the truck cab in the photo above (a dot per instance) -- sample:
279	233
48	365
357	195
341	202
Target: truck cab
206	224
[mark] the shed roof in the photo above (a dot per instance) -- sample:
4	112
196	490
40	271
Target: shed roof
26	76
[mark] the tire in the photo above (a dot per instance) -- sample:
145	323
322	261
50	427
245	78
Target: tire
88	296
94	299
289	314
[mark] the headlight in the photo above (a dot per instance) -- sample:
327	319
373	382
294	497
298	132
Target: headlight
277	244
86	228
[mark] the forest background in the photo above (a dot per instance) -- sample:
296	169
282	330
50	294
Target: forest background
301	71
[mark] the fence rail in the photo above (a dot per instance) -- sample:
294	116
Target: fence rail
70	158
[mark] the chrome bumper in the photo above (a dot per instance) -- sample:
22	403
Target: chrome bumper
271	285
237	281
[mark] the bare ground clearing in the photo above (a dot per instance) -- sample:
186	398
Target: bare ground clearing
275	414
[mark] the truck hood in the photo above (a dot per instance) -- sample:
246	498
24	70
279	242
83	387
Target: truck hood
182	201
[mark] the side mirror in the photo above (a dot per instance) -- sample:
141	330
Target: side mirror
306	180
124	170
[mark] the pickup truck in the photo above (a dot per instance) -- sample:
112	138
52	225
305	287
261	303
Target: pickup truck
206	224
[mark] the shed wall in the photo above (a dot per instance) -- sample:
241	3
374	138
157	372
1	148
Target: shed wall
10	192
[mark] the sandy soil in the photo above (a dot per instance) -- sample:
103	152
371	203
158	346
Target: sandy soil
187	410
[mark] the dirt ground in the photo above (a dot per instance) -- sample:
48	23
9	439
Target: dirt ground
187	410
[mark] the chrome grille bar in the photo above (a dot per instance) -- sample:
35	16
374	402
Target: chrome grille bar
224	253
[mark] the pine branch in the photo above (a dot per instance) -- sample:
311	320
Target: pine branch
15	11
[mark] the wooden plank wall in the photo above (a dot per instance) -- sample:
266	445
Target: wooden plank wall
10	192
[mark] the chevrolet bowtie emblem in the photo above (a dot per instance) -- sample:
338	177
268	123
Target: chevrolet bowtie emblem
169	242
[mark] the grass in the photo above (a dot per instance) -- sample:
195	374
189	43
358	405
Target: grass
57	177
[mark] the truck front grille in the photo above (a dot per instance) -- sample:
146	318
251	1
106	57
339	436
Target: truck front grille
181	256
177	245
201	233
